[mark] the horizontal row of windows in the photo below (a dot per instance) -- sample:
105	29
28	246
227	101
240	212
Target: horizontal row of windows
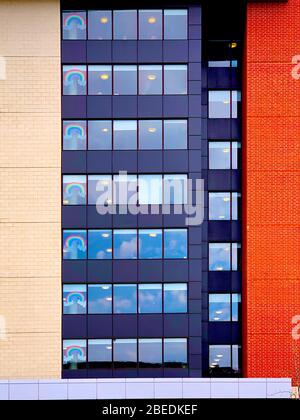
225	358
125	134
125	244
125	24
125	79
224	307
125	353
125	298
125	189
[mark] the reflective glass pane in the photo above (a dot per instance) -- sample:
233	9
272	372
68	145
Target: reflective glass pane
74	190
74	244
100	244
175	243
175	24
150	243
236	256
125	24
175	134
74	80
175	298
150	189
175	189
74	299
150	134
236	103
125	189
74	25
219	155
100	80
125	298
100	189
100	354
219	104
125	80
125	135
219	257
100	24
219	63
175	82
100	299
219	307
236	205
236	155
150	24
219	206
236	307
236	357
74	135
125	244
100	135
150	298
125	353
219	356
150	353
175	352
74	354
150	80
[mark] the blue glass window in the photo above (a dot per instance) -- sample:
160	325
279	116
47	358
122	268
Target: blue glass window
74	135
223	103
150	189
175	189
100	135
100	299
175	298
150	243
100	80
125	189
236	306
100	24
175	352
74	299
74	80
74	354
100	354
100	189
125	298
175	134
125	244
150	24
150	80
74	245
150	353
220	206
175	24
74	190
100	244
150	134
175	79
175	243
125	135
74	25
224	359
125	353
219	257
150	298
125	80
125	24
219	155
219	307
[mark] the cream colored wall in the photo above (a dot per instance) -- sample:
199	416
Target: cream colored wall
30	152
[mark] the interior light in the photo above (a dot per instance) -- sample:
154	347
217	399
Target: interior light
105	287
105	235
66	201
227	249
219	269
105	130
216	319
222	217
217	360
233	44
226	102
109	250
109	201
104	182
214	364
108	347
104	20
153	235
219	312
152	129
108	298
104	76
151	77
226	150
226	199
219	355
151	20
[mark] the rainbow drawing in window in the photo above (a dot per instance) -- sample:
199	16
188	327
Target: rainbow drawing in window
74	353
74	299
74	245
74	25
74	190
74	135
74	80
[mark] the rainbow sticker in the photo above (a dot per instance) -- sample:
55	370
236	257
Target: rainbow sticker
74	20
77	130
75	297
75	187
75	353
75	240
75	76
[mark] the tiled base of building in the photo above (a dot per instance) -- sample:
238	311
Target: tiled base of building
168	388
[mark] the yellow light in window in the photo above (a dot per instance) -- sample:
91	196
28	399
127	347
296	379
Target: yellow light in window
226	150
109	250
222	217
152	129
152	235
226	199
233	44
104	20
226	102
151	77
152	20
104	76
66	201
105	130
105	235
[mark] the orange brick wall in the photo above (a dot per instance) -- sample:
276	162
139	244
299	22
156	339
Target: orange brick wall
271	193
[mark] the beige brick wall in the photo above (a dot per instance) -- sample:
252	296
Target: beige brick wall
30	150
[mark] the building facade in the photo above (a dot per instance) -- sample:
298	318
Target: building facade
129	105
